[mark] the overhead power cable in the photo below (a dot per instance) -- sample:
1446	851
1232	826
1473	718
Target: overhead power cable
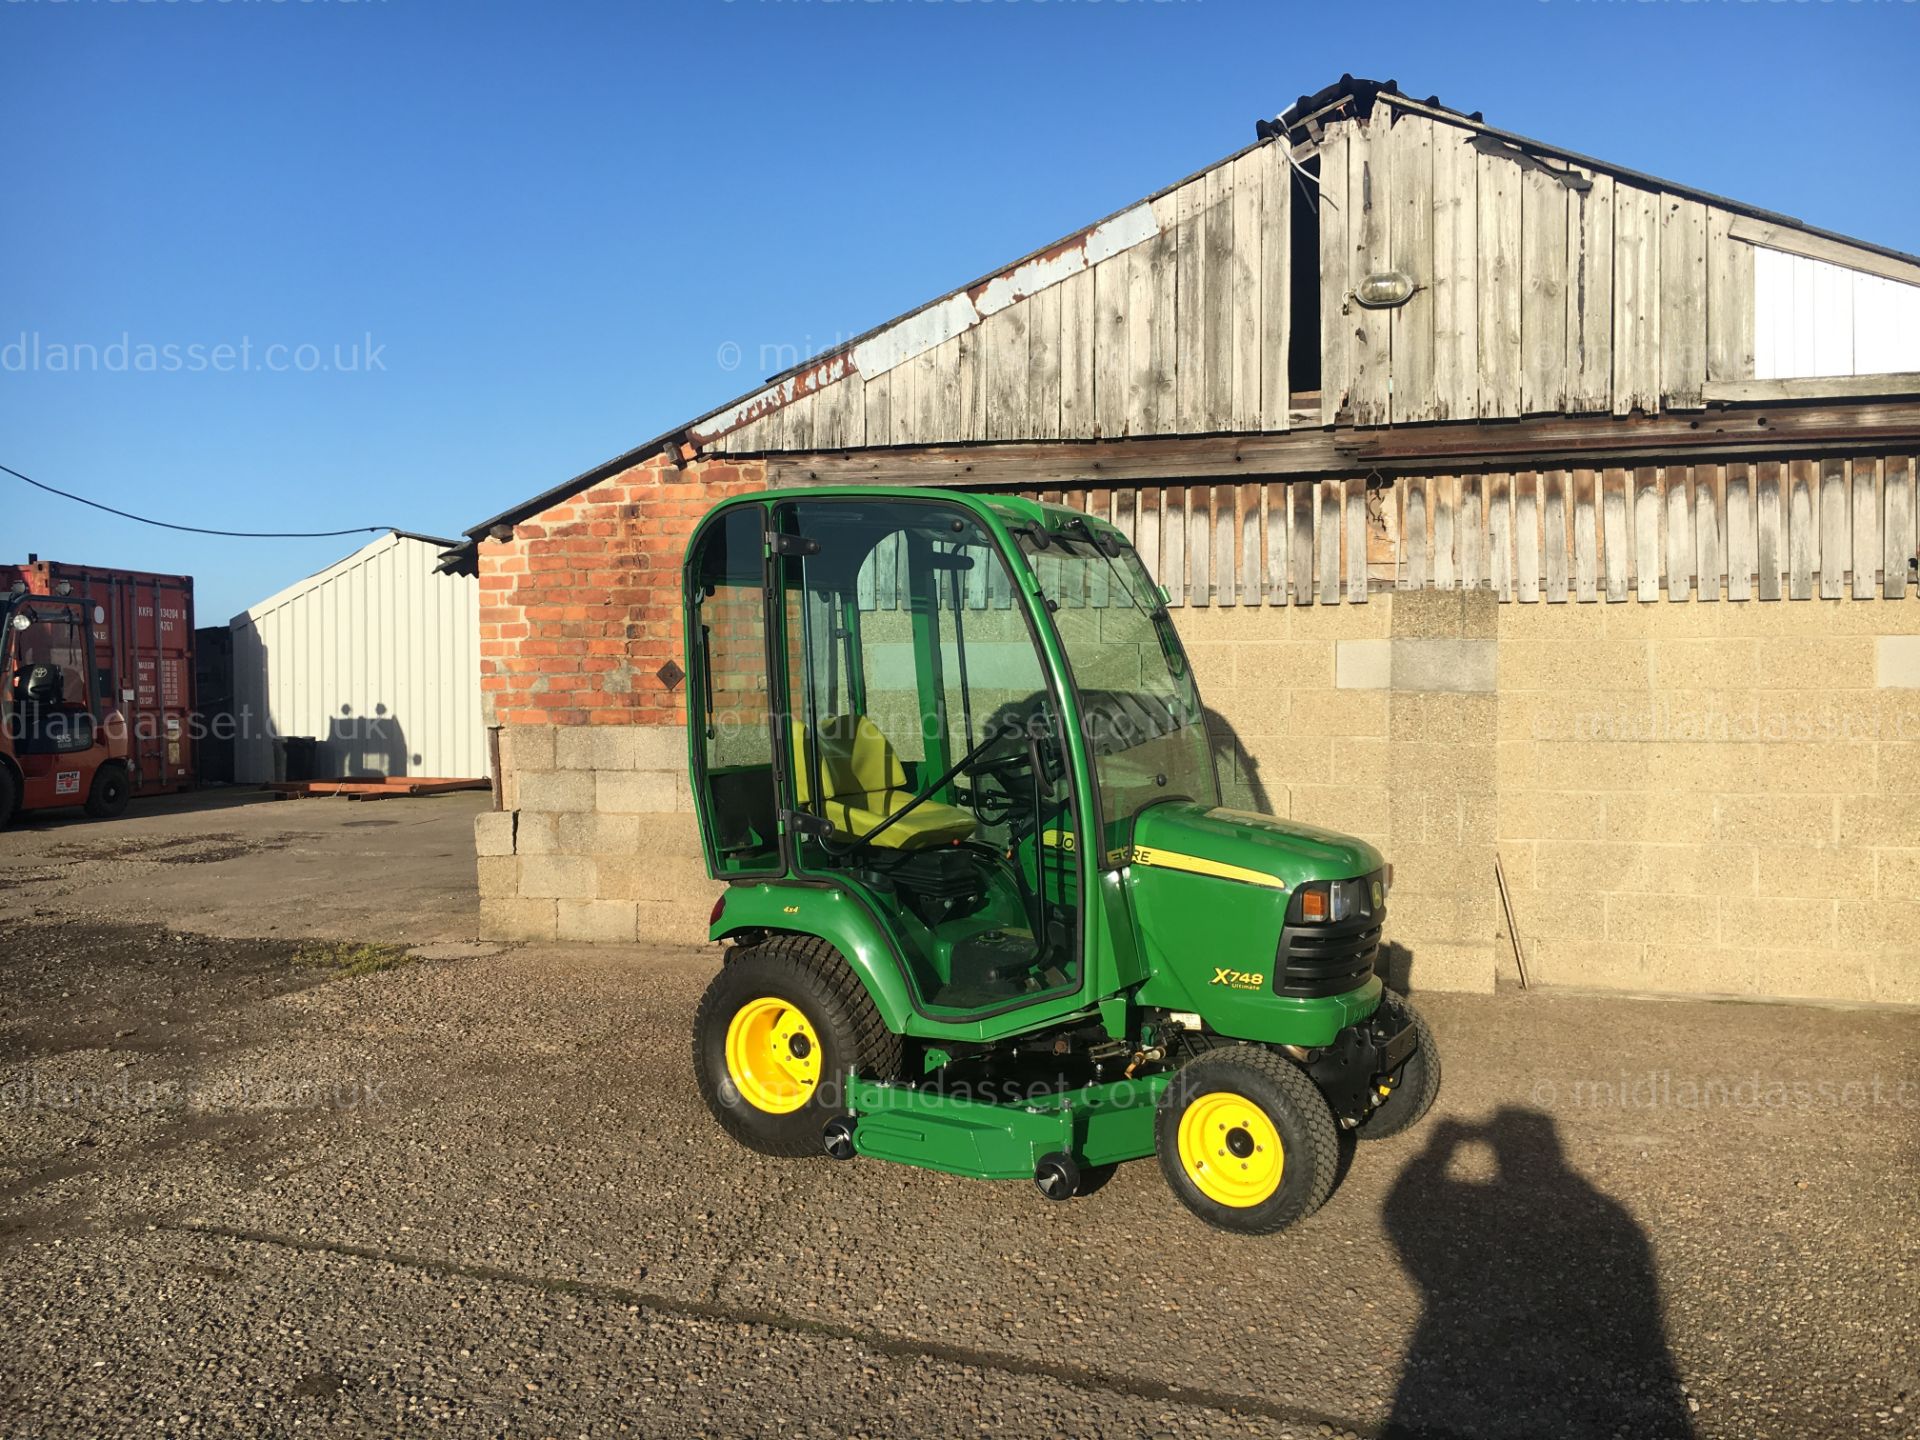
197	529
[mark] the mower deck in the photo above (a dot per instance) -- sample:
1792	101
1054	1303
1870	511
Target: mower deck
1094	1124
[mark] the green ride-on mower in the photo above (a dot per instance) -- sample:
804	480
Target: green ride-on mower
985	912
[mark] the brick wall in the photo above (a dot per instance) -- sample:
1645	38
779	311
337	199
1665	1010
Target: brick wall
581	608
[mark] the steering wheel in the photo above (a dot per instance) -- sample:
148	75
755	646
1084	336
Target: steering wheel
1002	781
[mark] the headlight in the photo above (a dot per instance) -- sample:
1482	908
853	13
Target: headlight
1321	902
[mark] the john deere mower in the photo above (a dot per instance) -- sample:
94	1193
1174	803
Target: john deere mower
985	912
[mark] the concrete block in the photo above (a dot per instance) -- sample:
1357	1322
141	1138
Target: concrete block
558	877
661	747
1701	969
1816	872
516	918
1337	712
635	792
1897	875
654	877
1347	808
599	922
498	874
1551	815
1372	621
556	791
493	832
1603	964
675	836
1878	924
677	922
1712	664
1897	662
1768	819
1896	977
1702	869
578	747
1266	675
1362	664
1445	615
527	747
1460	666
1771	922
1573	670
1823	662
1897	768
624	747
1636	815
1442	966
1664	919
597	834
1795	975
535	833
1542	915
1880	820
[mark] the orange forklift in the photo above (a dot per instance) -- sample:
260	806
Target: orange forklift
62	740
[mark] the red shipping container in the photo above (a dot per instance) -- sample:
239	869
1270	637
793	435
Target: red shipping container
142	654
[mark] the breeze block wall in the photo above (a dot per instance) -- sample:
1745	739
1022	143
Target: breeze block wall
1686	796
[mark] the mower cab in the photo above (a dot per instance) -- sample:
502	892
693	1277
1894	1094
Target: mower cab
987	912
61	743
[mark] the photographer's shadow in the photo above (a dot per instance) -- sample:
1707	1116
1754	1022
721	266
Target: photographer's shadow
1543	1313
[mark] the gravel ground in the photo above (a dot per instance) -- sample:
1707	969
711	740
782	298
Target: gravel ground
238	1192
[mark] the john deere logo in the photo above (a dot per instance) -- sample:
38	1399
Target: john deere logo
1239	979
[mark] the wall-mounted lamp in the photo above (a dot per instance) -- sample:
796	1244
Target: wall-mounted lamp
1385	289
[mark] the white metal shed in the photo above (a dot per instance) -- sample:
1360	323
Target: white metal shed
377	658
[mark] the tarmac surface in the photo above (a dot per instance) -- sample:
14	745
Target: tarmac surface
244	1190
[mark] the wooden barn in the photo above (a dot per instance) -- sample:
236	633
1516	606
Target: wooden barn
1548	524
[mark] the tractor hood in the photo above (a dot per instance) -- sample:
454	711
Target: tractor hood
1243	846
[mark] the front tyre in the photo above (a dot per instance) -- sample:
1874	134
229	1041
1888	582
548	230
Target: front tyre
777	1033
1417	1084
1246	1140
111	789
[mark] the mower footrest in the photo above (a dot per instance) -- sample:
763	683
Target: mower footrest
989	1140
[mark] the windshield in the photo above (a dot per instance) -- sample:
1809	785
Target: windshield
1138	705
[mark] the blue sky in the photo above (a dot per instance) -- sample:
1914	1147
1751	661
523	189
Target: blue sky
520	237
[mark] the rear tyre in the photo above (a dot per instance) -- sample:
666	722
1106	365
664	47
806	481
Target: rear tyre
107	799
777	1033
1246	1140
1415	1087
9	795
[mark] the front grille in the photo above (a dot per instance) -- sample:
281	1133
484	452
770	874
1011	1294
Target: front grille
1321	960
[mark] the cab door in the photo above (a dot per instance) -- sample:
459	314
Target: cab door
928	772
728	697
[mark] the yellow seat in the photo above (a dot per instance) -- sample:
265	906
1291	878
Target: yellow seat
863	782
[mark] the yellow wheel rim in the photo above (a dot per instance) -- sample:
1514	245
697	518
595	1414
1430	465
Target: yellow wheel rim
1230	1149
773	1055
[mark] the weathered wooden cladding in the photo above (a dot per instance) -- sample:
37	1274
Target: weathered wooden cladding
1541	285
1182	325
1662	533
